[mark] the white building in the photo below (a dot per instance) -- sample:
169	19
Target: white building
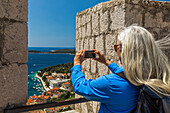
57	83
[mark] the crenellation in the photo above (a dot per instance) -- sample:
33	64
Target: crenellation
15	10
13	52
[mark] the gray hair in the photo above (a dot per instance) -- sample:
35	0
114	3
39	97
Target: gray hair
143	60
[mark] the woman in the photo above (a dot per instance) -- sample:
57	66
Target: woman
143	63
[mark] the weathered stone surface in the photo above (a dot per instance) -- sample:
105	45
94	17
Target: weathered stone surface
153	18
82	44
93	66
88	18
134	15
15	43
117	16
91	42
83	32
109	46
102	69
83	19
88	30
78	21
86	63
13	84
100	44
104	21
14	9
159	33
88	75
77	46
93	62
79	33
95	23
95	104
84	108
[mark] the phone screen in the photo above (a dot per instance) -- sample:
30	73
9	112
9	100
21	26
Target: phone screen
90	54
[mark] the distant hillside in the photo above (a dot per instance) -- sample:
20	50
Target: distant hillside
71	51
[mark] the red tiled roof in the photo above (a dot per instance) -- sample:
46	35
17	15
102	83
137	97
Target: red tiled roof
30	100
38	100
63	106
56	88
66	83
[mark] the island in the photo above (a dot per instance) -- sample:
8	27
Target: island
66	51
57	83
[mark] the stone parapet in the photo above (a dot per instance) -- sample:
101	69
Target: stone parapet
97	27
13	52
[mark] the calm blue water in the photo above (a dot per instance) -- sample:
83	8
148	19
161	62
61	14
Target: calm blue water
37	61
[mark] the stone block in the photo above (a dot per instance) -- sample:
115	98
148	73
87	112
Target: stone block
83	30
88	18
91	43
88	30
104	21
77	46
13	84
95	104
79	33
84	108
93	66
100	44
95	23
134	15
14	9
78	21
157	18
117	17
86	44
87	75
109	46
83	19
82	44
15	42
102	69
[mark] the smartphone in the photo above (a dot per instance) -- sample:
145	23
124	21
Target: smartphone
90	54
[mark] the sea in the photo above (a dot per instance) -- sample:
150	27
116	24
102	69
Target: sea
37	61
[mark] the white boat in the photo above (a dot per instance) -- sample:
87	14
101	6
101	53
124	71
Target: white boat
32	71
34	65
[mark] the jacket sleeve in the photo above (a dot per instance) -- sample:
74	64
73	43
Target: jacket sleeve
114	68
94	90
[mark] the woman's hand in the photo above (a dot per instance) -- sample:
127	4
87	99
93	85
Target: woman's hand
79	58
101	58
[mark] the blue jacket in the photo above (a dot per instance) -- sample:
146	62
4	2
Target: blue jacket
115	94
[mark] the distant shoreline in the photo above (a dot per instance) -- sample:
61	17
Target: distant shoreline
62	51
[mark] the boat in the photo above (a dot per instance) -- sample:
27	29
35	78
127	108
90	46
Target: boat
32	71
34	65
33	87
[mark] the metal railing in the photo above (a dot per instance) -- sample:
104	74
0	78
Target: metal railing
24	108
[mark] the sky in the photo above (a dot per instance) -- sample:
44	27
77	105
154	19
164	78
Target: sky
52	23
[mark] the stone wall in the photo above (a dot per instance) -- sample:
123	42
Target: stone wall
97	27
13	52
